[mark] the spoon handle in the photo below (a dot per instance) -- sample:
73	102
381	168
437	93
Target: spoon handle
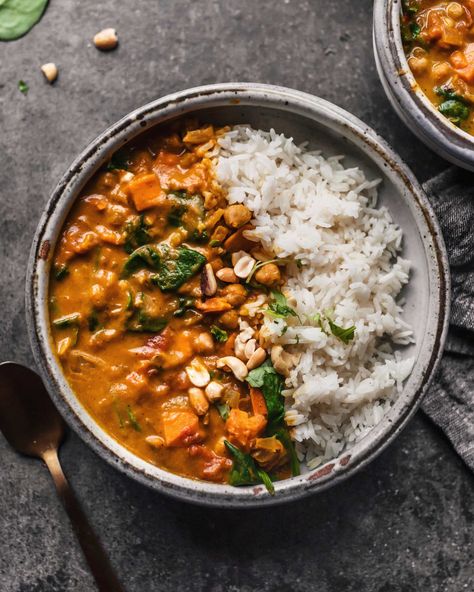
96	557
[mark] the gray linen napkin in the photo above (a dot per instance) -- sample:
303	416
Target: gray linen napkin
450	400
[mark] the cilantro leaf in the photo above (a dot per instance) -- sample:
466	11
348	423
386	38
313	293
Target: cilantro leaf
23	87
344	334
256	376
219	334
279	308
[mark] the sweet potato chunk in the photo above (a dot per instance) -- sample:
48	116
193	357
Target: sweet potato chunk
180	428
243	428
145	191
466	72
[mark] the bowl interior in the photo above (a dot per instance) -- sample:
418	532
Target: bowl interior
332	131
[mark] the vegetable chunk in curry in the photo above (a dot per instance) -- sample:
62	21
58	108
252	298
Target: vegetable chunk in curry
156	296
439	42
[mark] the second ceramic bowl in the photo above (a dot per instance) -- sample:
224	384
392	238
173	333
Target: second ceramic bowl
407	98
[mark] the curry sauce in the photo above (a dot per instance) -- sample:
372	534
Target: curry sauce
155	300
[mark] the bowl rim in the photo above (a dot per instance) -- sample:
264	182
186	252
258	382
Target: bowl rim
85	165
405	94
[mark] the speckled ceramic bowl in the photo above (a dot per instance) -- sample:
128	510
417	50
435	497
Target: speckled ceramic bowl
407	98
334	131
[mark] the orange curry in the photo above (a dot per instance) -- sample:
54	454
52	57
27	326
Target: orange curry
155	296
439	42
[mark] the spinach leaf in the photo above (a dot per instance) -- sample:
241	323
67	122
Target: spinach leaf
136	233
70	320
60	272
256	376
271	389
219	334
176	267
93	322
17	17
175	217
244	470
454	110
142	322
271	383
185	303
145	256
133	419
279	308
22	86
199	237
118	162
284	437
447	93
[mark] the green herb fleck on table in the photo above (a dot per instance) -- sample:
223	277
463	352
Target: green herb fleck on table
23	87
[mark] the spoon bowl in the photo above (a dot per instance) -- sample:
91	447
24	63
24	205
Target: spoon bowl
28	419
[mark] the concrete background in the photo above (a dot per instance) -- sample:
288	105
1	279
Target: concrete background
404	524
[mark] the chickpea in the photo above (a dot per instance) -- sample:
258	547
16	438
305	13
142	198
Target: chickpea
235	294
440	71
237	215
418	65
229	319
455	10
268	275
204	343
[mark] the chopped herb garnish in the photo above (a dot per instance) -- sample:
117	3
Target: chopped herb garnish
279	308
256	376
344	334
224	410
455	110
199	237
70	320
219	334
118	162
133	420
215	243
245	471
23	87
61	271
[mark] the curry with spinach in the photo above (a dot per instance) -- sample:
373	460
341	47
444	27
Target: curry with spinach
156	300
438	38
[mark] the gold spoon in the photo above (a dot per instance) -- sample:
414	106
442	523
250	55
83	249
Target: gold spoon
33	426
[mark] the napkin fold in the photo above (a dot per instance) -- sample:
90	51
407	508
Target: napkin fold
450	400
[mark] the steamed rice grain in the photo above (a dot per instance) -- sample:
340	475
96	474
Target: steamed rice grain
310	208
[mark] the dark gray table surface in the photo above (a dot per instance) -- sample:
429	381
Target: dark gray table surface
402	524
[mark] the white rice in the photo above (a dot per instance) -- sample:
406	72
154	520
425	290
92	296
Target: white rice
313	209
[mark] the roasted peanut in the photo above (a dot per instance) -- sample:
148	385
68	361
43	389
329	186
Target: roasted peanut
106	39
237	215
